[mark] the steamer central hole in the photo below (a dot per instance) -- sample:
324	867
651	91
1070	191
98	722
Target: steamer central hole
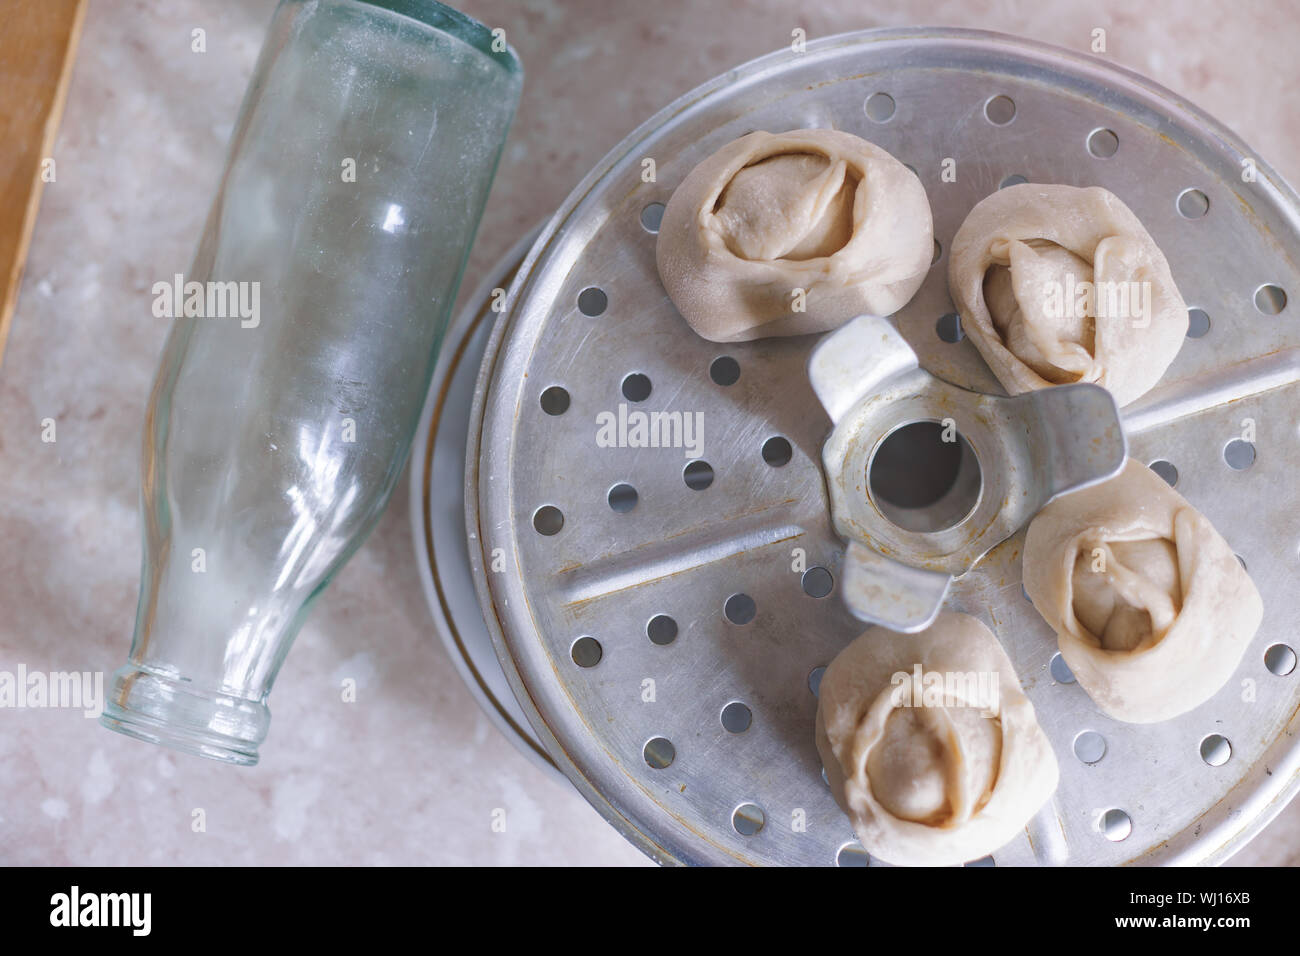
925	477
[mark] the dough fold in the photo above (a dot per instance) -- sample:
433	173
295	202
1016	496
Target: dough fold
1151	608
815	210
1058	284
929	773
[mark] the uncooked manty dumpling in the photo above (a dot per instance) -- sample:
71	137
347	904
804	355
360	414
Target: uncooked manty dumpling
814	210
930	777
1057	284
1152	609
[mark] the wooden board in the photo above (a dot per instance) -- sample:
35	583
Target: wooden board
38	43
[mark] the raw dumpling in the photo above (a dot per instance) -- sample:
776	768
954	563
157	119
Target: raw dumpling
814	210
929	744
1152	609
1057	284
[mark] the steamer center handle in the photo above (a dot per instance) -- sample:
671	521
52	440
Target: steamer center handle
1016	455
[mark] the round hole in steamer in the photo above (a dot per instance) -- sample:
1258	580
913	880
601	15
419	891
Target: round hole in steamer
1166	470
1089	747
817	582
982	861
592	301
636	387
1061	672
1000	110
724	371
622	497
1015	179
548	520
815	679
740	609
1270	299
555	400
1198	323
948	328
777	451
852	854
1216	750
659	753
1239	454
748	819
1115	825
924	477
1193	204
1103	143
586	652
698	475
661	629
652	216
736	718
1280	660
880	107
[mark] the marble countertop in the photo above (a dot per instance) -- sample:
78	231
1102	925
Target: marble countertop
412	772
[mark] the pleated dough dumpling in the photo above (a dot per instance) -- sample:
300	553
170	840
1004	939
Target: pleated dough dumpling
932	780
816	210
1152	609
1057	284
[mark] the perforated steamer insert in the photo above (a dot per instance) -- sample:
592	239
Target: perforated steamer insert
663	622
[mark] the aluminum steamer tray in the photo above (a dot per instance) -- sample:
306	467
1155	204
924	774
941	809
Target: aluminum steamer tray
663	619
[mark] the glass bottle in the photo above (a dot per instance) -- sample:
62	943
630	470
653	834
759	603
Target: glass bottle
305	336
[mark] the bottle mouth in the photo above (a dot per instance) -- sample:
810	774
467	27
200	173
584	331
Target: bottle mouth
162	710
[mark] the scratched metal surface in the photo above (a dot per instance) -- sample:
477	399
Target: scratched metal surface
683	552
437	511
